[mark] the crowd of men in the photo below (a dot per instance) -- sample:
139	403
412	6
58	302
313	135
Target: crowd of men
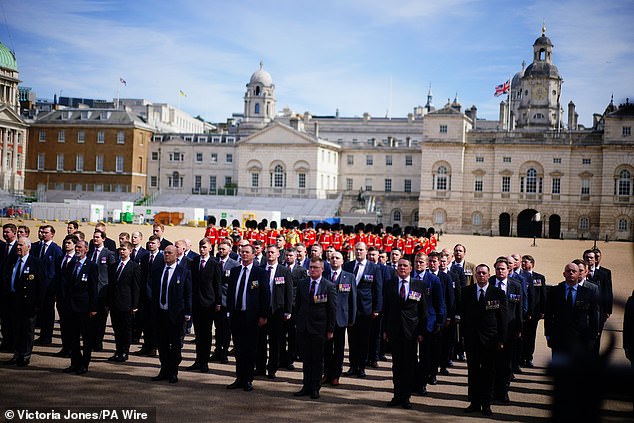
294	294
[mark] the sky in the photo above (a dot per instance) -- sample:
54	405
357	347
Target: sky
354	56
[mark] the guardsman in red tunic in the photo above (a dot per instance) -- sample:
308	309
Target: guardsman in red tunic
222	232
271	235
337	237
211	233
325	238
310	236
388	240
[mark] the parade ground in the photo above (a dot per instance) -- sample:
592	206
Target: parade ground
201	397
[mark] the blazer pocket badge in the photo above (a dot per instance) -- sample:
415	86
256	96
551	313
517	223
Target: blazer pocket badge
468	272
345	287
493	304
84	277
414	295
227	273
103	260
279	280
255	284
26	271
369	278
515	298
31	277
537	282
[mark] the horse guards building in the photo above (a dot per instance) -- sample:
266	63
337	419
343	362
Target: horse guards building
532	172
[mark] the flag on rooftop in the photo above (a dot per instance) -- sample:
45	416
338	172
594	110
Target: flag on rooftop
182	93
502	88
123	81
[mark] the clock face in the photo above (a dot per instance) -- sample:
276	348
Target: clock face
540	93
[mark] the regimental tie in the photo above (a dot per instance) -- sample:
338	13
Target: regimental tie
569	301
402	292
68	259
151	260
481	297
16	275
202	264
77	268
95	255
119	270
166	276
243	282
313	285
334	276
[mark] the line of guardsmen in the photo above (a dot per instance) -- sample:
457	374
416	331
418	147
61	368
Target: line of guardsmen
280	304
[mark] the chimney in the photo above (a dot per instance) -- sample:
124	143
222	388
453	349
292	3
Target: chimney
316	129
572	121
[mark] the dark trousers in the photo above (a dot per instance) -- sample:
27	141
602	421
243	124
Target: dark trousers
359	342
23	328
375	339
503	367
448	340
403	366
6	327
169	340
78	326
99	321
64	317
436	353
333	354
203	321
289	342
46	316
148	324
480	370
122	326
528	338
223	333
244	334
271	332
425	351
312	350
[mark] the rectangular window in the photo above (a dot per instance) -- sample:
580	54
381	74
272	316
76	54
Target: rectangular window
388	160
443	129
229	158
212	185
99	163
586	161
408	160
61	136
478	185
506	184
348	184
101	137
119	164
60	162
79	163
42	136
81	137
369	160
408	185
368	184
301	183
227	180
506	159
479	159
121	137
627	131
199	157
41	161
556	186
214	157
155	155
585	187
153	181
388	185
198	182
255	180
557	160
350	159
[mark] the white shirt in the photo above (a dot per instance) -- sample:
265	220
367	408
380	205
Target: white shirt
246	269
169	280
361	267
502	284
483	289
273	268
404	282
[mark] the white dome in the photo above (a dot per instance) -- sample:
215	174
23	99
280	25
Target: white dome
261	77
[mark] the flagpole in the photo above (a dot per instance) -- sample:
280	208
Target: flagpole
508	104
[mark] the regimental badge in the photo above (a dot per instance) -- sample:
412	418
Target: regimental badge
255	284
537	282
227	273
468	272
516	298
26	271
31	277
279	280
492	304
320	299
178	281
428	291
368	278
103	260
84	277
414	295
345	287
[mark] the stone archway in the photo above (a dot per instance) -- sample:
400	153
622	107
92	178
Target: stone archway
505	224
529	224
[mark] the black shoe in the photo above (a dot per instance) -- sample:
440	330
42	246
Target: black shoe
173	379
214	357
270	375
433	380
472	408
142	351
13	360
374	364
81	371
351	372
290	367
43	341
224	361
23	362
314	394
236	384
486	411
382	358
151	352
504	398
62	353
517	369
407	405
259	372
394	402
422	391
194	367
160	376
204	368
444	372
529	364
98	347
450	364
248	387
461	357
361	373
114	357
121	358
70	369
301	393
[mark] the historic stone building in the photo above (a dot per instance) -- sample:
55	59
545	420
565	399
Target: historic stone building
13	130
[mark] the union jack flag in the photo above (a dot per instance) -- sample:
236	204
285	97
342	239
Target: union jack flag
123	81
502	88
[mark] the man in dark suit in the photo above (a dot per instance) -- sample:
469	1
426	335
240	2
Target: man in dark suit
504	357
149	265
181	258
603	278
49	254
24	287
221	319
138	255
157	230
8	255
571	321
123	300
281	288
68	245
104	259
448	339
449	296
483	317
172	308
189	253
345	316
289	331
316	315
138	252
404	322
79	296
369	306
537	284
206	280
248	301
108	243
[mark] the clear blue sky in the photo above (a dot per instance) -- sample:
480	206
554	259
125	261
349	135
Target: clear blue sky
355	55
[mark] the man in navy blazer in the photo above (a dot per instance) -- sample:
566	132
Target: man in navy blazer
172	309
346	314
221	321
150	264
369	306
248	301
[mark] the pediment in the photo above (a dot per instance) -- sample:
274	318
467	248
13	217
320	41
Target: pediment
279	134
8	116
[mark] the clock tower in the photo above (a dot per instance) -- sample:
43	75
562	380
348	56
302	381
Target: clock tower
539	100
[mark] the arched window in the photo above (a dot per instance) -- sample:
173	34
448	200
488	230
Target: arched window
624	183
442	178
476	219
439	217
257	90
396	216
415	218
584	223
279	177
257	108
622	225
531	180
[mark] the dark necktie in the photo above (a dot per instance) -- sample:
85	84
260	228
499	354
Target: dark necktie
118	274
569	301
166	277
77	268
68	258
313	286
133	253
243	282
95	255
334	276
43	250
402	290
202	264
481	298
17	275
356	269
